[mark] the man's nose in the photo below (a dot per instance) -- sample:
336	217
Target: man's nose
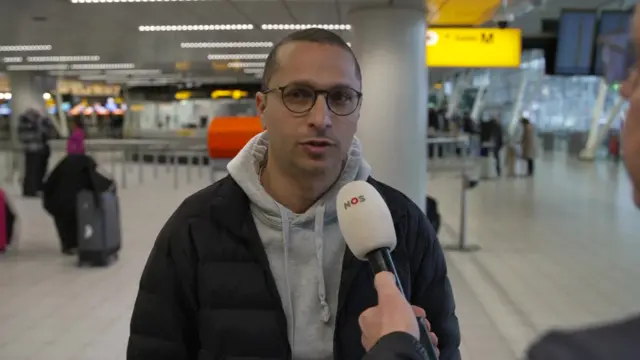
320	115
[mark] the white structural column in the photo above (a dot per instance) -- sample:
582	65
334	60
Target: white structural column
589	151
390	45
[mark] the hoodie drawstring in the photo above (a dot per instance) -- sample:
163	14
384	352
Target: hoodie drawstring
285	242
322	288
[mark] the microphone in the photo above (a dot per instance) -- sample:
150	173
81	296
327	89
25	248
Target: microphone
367	228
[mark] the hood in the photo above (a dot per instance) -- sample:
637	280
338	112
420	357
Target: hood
245	170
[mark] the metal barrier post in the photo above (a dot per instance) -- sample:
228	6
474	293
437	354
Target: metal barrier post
174	160
167	165
212	170
467	184
124	169
189	163
155	161
199	163
140	165
112	155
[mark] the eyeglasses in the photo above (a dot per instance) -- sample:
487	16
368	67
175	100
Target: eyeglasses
300	99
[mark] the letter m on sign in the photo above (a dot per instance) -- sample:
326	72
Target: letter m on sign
487	38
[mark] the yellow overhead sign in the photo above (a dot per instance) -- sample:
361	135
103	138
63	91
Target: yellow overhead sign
473	48
234	94
461	12
183	95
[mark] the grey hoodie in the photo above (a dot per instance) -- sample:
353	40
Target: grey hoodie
305	250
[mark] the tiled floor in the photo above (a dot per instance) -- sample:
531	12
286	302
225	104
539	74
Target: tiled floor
559	250
541	238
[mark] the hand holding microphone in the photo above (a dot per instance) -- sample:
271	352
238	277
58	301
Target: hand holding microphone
393	314
367	227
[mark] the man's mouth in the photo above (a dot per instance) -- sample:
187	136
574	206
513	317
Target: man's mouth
318	142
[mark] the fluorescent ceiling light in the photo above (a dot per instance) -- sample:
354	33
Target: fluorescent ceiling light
305	26
11	48
63	58
5	96
237	56
129	1
15	59
102	66
49	67
245	64
134	72
219	27
222	45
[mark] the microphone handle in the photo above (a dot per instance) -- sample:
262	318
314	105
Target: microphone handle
379	261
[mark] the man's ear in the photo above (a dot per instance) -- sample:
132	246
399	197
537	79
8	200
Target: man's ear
261	105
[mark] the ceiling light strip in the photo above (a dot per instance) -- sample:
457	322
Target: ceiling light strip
218	27
12	48
222	45
115	66
130	1
14	59
48	67
245	64
237	56
343	27
63	58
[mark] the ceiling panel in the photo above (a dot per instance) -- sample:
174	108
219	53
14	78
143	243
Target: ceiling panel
266	11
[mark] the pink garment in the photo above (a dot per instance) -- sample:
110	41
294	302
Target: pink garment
75	142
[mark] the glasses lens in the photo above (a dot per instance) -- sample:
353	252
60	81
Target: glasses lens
298	98
343	101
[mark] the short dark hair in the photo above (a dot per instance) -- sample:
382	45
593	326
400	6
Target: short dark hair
313	35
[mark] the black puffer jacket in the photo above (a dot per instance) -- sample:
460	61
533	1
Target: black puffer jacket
207	291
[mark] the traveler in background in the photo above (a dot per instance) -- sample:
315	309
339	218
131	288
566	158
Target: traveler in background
34	131
528	144
75	142
497	137
390	330
255	266
617	340
70	176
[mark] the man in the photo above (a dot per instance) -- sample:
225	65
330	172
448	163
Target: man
255	266
618	340
390	330
34	130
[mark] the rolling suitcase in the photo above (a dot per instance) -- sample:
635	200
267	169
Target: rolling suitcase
99	235
7	222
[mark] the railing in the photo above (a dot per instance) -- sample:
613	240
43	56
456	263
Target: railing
126	155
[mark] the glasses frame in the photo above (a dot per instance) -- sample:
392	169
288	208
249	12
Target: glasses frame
316	93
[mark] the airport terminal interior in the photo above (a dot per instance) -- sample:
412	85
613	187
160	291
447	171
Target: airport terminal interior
539	232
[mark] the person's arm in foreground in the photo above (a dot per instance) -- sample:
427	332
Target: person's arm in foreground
390	329
163	322
431	289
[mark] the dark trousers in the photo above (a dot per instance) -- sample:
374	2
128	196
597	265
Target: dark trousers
530	167
35	170
496	156
67	228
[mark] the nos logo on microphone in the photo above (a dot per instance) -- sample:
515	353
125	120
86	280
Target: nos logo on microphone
354	201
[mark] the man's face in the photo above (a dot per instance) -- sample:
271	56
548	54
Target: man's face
316	140
631	128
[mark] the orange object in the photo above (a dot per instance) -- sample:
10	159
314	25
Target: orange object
228	135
